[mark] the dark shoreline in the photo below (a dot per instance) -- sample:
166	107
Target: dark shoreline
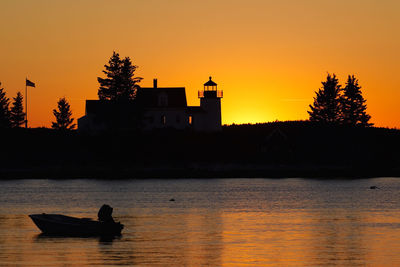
271	150
214	172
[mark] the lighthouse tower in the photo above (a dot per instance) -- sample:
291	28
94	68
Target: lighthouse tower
210	102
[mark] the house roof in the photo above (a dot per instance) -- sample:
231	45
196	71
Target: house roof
106	107
149	97
210	83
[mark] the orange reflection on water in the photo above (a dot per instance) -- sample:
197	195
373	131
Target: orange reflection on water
264	239
195	238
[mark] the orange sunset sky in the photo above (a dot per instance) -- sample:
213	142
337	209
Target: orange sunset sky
268	56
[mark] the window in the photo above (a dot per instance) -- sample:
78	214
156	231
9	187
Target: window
163	100
190	120
163	120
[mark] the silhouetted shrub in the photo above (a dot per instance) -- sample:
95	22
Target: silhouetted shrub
353	104
326	106
17	114
120	85
4	109
64	121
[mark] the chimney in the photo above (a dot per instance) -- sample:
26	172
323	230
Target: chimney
155	83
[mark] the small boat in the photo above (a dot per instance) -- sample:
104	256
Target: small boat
57	224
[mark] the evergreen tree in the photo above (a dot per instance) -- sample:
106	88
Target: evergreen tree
17	115
326	107
4	109
63	116
120	83
353	104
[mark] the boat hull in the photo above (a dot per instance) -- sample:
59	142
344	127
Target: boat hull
56	224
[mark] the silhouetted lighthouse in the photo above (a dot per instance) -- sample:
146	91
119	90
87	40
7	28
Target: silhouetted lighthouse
210	102
162	107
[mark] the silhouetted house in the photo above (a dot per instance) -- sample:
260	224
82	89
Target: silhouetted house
276	147
156	108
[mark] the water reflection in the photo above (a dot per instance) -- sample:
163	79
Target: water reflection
191	238
46	238
292	222
337	237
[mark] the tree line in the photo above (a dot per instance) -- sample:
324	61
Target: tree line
336	105
332	103
15	117
119	85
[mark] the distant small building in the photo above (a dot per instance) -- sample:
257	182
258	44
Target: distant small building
161	107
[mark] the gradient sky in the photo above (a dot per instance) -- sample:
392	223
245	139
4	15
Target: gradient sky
268	56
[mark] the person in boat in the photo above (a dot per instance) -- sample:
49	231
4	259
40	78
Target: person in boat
105	214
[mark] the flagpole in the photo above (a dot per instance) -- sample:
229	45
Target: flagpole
26	104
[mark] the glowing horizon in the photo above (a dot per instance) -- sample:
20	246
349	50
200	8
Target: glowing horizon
268	57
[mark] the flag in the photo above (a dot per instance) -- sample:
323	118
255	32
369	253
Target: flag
29	83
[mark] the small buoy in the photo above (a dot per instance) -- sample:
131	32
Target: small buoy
172	199
373	187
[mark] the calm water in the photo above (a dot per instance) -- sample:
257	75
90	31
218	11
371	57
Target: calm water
260	222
